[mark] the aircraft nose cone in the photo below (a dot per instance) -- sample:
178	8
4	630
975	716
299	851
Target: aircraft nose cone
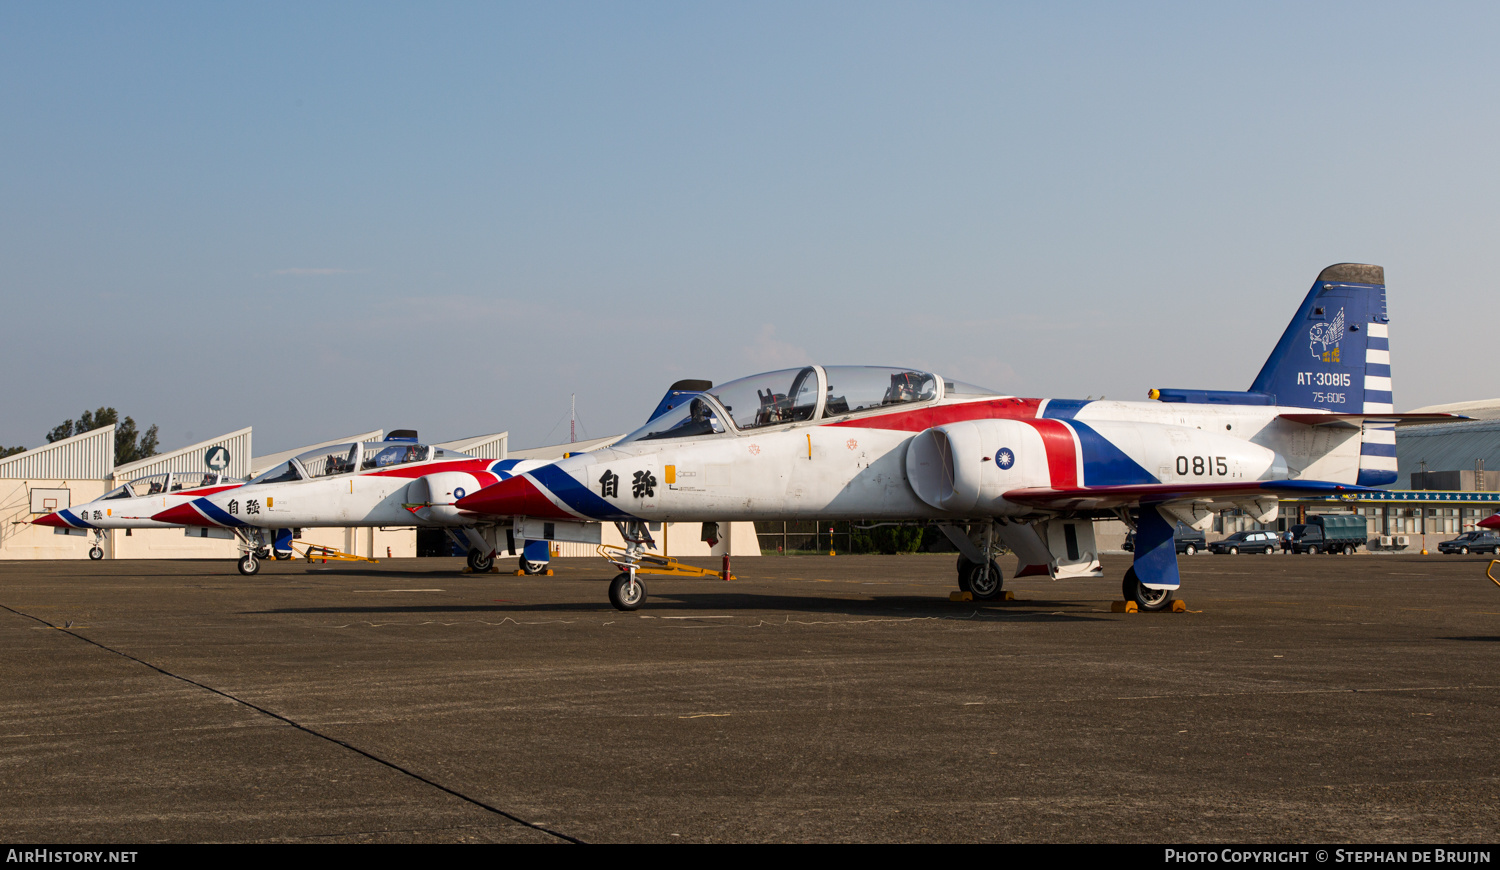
516	496
1490	522
50	520
183	515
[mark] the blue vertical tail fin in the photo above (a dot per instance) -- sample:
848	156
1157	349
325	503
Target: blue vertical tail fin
1336	356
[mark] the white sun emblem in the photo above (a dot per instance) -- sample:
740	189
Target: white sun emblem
1005	459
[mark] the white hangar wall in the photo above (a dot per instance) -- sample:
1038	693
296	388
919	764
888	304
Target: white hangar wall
176	543
78	468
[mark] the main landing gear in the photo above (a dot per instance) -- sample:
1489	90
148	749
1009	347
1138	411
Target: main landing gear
983	581
1155	560
978	573
1145	598
480	561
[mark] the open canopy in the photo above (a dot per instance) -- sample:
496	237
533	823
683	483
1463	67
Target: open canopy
334	459
789	396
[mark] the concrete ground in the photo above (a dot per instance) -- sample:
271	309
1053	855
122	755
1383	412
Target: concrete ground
1315	699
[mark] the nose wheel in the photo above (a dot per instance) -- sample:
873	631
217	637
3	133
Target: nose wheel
626	591
96	553
249	565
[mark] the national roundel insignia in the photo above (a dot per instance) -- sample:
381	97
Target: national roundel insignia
458	493
1004	458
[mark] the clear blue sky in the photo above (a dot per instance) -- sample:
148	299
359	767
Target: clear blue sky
324	218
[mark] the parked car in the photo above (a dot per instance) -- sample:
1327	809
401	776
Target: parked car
1329	533
1245	542
1472	542
1188	539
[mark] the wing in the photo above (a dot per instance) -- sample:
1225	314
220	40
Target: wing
1109	497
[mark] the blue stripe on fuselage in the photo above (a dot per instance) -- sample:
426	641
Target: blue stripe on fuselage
72	519
575	495
217	514
1104	464
1064	409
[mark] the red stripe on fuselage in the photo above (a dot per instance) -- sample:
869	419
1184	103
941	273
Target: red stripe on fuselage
184	515
1062	451
205	490
515	496
925	418
419	469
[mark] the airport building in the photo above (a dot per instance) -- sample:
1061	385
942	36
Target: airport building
49	478
1447	480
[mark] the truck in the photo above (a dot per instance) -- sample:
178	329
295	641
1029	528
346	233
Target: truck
1329	533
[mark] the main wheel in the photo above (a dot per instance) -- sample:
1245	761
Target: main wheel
984	582
249	565
530	567
96	553
263	553
1189	550
480	562
626	592
1145	599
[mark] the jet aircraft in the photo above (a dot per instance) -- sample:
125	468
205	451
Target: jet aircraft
134	505
905	445
396	482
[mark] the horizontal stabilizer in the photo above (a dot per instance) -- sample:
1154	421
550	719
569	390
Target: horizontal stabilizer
1355	421
1110	497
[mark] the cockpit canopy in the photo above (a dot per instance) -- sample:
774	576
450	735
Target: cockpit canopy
176	481
794	396
351	457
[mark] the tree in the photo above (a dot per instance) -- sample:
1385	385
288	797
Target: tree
886	539
128	446
11	451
